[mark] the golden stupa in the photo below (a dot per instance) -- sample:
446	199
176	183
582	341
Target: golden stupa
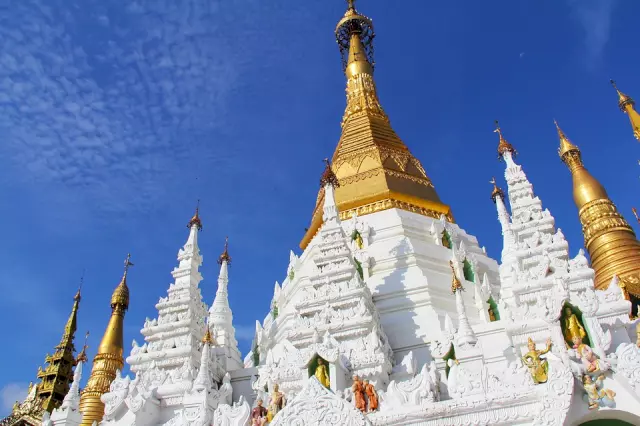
109	358
608	237
375	169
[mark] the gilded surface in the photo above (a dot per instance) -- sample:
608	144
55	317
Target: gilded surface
610	240
374	167
109	358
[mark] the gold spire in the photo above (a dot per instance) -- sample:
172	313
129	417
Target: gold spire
626	105
456	285
224	257
497	192
56	377
375	169
611	242
566	147
109	359
503	145
195	220
585	187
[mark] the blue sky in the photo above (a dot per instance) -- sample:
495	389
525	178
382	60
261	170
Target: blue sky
115	117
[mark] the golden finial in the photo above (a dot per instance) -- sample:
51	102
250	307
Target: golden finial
503	145
82	356
328	177
207	338
224	257
566	146
78	296
635	213
195	220
623	100
120	295
497	192
455	282
351	4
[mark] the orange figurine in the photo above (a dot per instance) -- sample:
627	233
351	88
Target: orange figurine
358	394
372	396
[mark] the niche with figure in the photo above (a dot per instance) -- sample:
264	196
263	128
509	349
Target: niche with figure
319	367
446	239
573	325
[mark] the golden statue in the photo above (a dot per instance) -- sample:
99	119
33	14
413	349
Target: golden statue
572	326
276	404
538	367
322	374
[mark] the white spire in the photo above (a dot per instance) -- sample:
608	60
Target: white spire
221	317
464	334
72	398
330	210
203	380
175	333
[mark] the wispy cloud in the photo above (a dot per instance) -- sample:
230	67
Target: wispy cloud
11	393
595	17
100	101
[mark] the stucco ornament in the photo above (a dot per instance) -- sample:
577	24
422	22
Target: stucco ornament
318	406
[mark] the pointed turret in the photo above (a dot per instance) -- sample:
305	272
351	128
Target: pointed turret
174	336
627	105
55	378
375	168
58	375
203	379
610	240
464	334
108	359
508	239
221	316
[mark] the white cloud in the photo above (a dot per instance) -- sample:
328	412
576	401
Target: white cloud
112	104
10	393
595	17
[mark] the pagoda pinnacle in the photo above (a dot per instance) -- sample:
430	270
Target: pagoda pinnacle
375	168
497	192
504	147
224	257
566	147
55	379
195	220
585	187
109	358
626	105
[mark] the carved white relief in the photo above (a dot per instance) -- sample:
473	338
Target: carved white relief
317	406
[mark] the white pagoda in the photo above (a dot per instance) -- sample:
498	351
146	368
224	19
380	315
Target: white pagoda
392	314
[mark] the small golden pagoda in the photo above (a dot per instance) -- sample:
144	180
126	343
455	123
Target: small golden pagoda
109	358
610	240
55	378
626	105
375	168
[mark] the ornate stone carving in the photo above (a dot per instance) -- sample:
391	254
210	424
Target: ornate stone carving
317	406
